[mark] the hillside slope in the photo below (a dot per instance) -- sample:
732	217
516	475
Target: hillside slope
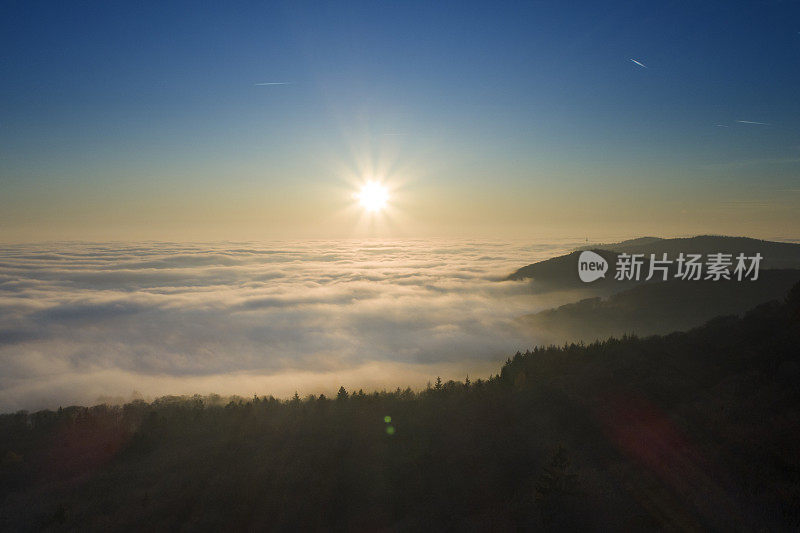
655	308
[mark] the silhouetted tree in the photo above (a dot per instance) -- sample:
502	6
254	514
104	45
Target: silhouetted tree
793	303
555	486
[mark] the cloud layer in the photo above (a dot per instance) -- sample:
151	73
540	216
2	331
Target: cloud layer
79	321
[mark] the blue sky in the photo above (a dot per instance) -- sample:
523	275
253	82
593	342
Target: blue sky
147	120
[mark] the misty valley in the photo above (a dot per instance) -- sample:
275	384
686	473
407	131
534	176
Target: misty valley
693	429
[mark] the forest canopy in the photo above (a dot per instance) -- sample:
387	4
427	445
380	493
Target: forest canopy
687	430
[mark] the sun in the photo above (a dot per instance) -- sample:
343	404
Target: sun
373	196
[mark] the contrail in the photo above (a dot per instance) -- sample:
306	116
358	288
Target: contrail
721	125
273	83
638	63
752	122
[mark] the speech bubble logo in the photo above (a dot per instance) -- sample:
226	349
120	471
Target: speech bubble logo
591	266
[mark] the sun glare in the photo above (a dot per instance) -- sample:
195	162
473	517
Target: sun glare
373	196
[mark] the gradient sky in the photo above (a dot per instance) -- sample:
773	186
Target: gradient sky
147	120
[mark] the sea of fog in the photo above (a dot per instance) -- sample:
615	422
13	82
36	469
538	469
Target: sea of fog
83	323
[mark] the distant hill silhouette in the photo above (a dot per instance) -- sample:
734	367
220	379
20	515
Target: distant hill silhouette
656	306
561	272
691	431
776	254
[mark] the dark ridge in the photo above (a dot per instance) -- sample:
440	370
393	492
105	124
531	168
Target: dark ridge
561	272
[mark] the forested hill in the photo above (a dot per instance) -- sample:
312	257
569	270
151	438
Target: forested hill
689	431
